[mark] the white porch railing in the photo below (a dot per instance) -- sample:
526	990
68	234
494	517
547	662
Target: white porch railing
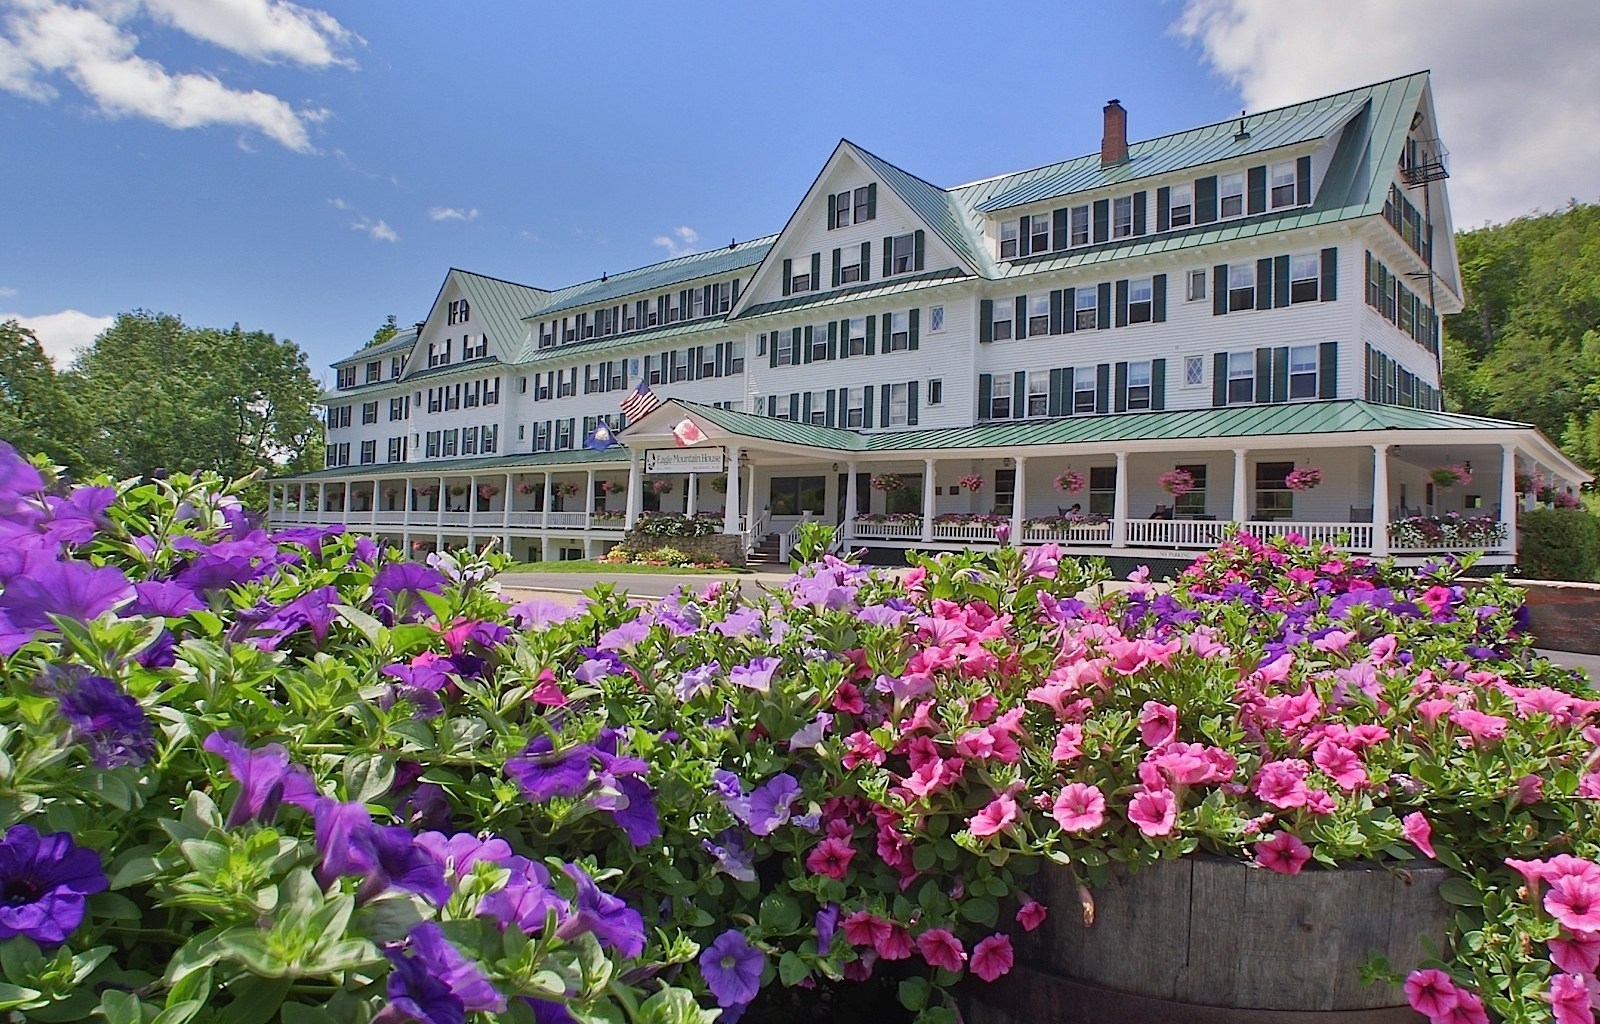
1077	533
1176	533
982	533
888	531
1355	536
391	518
567	520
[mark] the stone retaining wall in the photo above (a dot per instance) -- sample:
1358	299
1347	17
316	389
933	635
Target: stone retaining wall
727	547
1564	616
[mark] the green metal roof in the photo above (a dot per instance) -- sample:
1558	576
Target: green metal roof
938	208
577	458
657	276
600	346
401	342
499	306
1180	425
893	286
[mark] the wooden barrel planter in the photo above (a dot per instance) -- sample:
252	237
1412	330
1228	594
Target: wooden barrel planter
1206	940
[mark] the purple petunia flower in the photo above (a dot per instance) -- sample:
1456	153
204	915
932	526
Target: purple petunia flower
385	857
541	773
732	969
75	518
770	802
45	587
882	615
731	791
827	921
107	721
464	983
526	900
159	597
731	857
45	882
266	779
416	995
624	636
697	681
612	921
313	610
458	853
812	734
538	613
740	622
396	586
757	675
632	807
17	475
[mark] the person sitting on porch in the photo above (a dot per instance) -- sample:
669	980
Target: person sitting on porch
1162	512
1076	511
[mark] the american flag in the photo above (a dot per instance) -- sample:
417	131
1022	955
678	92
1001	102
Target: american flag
639	403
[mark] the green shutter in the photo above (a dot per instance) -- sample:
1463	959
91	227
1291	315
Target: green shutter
833	340
1264	283
1019	323
1263	375
801	339
1219	289
788	273
1139	202
985	394
1102	307
866	406
866	261
1205	199
985	320
1058	229
1219	380
1158	299
883	404
1102	220
1069	310
1280	281
1158	384
1121	393
1302	180
794	406
1055	312
1065	397
1163	209
920	250
871	340
1102	387
1024	223
914	325
1330	274
1280	374
772	352
805	408
1019	395
1055	393
1256	190
888	255
772	405
833	213
872	201
911	403
1122	302
828	411
1328	370
836	268
816	271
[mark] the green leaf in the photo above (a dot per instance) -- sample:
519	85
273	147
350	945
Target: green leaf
299	1013
256	1000
368	777
913	993
1460	892
121	1007
13	996
791	969
779	913
186	998
363	623
673	1006
20	958
981	910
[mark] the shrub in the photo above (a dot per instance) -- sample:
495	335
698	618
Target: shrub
1559	544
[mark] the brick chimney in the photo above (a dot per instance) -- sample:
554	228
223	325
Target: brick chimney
1114	143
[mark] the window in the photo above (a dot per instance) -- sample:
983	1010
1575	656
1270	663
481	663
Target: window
458	312
1196	289
491	390
1084	308
708	367
1230	189
1004	310
855	407
936	391
819	343
902	254
452	397
800	276
471	350
850	273
1083	389
1005	491
491	439
1194	371
1283	184
474	392
1039	233
452	443
1305	273
899	339
1192	503
1038	394
1241	286
1122	217
1008	239
374	371
1274	500
1181	209
841	210
630	320
1303	371
1078	234
1138	386
563	434
369	412
397	449
1039	315
395	365
399	408
469	441
819	408
369	452
436	399
863	204
347	377
935	318
1140	304
680	364
899	399
1241	378
697	303
433	444
797	495
1102	490
783	347
736	357
439	355
1000	397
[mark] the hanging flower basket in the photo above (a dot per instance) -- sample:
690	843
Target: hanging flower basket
524	488
389	492
428	491
720	484
971	482
888	482
457	490
1529	483
1566	499
659	486
1069	481
1176	482
488	491
609	486
1449	476
567	490
1303	478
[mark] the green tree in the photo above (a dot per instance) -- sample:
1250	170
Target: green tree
36	413
389	329
159	394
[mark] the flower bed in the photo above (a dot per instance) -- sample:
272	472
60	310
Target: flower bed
1451	530
897	518
671	524
1066	522
294	776
970	519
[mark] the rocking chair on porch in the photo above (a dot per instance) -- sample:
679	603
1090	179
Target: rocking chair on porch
1360	515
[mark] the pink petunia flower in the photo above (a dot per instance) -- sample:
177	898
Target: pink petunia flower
1031	914
1158	724
830	857
1576	954
992	957
864	929
1341	764
1283	852
1155	811
1416	828
941	949
1468	1010
1079	808
1569	999
1282	783
996	816
1069	743
895	944
1575	902
1432	993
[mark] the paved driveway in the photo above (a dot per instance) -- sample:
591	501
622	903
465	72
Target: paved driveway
639	585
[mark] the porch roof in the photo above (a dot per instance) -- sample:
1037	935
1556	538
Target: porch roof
579	458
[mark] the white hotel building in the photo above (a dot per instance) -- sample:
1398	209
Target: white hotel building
1236	300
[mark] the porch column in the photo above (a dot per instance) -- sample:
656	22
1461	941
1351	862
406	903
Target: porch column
635	491
1380	500
730	513
929	478
588	504
544	513
409	504
505	513
472	505
374	503
1019	501
1119	505
750	499
1508	493
300	513
1241	493
847	529
272	500
691	496
439	503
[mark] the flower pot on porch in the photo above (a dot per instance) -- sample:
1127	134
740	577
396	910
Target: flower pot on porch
1209	940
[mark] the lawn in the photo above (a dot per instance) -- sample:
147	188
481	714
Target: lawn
589	565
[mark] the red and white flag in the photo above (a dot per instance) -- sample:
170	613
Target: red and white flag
687	433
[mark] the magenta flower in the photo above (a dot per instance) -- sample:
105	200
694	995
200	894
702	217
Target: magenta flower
995	817
1283	783
1574	901
732	969
1032	913
941	949
1416	828
1079	808
1155	811
830	857
1569	999
992	957
1158	724
894	944
1431	992
1283	852
45	883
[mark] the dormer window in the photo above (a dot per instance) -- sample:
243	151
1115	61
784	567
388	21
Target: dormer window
1039	233
850	272
1182	212
346	377
800	279
458	312
1283	184
864	206
697	303
1008	239
1122	217
722	297
1079	234
841	209
1230	189
396	364
902	254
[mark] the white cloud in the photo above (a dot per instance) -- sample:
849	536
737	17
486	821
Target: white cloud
7	292
338	204
264	30
1516	85
62	334
679	242
95	51
452	213
379	231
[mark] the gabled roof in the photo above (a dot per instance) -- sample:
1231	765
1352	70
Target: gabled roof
401	342
497	306
656	276
938	209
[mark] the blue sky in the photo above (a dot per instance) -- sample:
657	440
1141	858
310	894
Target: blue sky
307	170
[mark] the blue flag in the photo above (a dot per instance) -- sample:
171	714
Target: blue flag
600	438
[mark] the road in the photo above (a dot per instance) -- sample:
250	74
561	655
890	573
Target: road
639	585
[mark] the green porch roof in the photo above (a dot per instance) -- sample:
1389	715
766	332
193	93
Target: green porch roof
578	458
1181	425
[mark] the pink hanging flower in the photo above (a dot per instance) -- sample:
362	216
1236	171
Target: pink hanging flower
941	949
864	929
1031	914
1079	808
1000	814
992	957
1576	954
1416	828
1069	743
1432	993
1569	999
1158	724
830	857
1468	1010
1283	783
1283	852
1155	811
894	944
1575	902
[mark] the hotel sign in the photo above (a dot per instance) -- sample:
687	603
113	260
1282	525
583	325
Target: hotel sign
686	460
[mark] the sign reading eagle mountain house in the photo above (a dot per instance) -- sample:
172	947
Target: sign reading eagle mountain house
678	460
